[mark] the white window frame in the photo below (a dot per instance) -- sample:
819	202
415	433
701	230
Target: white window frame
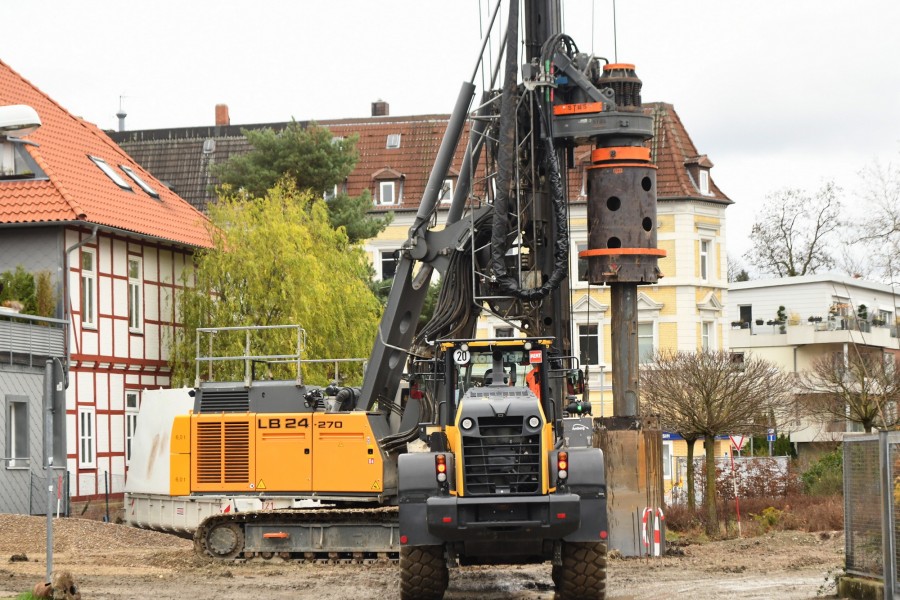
140	182
704	182
652	337
87	438
707	335
389	254
579	246
89	289
446	193
17	443
705	256
132	405
594	337
382	186
393	140
136	296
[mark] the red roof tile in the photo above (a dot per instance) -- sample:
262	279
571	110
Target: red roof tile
75	189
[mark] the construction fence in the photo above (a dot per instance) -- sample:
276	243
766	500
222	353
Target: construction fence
871	505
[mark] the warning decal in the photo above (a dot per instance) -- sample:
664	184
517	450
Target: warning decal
376	485
261	485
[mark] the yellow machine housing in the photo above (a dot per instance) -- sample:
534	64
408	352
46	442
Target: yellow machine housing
325	453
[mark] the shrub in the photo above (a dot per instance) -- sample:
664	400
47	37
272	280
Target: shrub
825	477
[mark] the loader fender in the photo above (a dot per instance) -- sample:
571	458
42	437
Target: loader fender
587	478
418	482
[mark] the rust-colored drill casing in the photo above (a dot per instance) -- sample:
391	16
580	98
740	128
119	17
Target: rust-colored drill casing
622	217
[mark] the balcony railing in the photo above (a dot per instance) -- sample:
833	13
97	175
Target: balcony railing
29	340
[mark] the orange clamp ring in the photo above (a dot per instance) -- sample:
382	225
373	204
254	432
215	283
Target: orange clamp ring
278	535
621	153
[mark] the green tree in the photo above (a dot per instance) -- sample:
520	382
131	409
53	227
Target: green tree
18	286
709	394
275	261
313	160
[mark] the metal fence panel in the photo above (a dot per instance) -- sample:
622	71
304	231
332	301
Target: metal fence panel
862	506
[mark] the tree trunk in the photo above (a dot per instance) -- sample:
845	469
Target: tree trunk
691	491
709	497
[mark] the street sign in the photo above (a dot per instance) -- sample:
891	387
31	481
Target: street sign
770	435
737	441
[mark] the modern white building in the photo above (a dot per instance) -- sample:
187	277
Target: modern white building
823	314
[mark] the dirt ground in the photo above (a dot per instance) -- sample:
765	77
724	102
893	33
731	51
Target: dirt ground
116	561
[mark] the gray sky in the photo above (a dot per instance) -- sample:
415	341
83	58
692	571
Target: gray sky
778	93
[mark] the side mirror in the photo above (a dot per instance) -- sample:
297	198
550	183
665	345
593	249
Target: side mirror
575	381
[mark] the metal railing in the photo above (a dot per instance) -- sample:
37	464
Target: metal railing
29	340
251	339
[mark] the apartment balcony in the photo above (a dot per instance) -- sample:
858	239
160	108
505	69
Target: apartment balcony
830	332
29	340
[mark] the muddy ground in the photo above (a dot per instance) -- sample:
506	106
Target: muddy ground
116	561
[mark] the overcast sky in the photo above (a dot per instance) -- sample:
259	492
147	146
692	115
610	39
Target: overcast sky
778	93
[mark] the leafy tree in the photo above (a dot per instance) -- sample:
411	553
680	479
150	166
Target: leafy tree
862	387
276	261
18	285
313	160
708	394
792	232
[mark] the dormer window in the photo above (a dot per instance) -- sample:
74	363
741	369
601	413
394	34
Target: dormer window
704	182
109	172
141	183
393	140
16	162
388	186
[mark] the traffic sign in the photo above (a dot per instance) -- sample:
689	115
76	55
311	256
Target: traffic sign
461	357
770	437
737	441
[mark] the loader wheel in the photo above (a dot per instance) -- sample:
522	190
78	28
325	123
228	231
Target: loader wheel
225	540
583	572
423	573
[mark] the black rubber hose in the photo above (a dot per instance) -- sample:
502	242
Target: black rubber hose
507	147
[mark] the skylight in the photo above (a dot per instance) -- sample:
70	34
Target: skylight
108	171
141	183
393	140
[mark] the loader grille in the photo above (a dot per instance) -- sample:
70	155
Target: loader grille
501	458
223	452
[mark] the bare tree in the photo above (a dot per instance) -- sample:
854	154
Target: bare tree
792	230
861	386
879	227
709	394
736	270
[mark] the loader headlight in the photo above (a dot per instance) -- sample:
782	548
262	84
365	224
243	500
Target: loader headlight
534	422
467	423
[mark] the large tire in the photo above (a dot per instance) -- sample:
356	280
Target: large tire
423	573
583	572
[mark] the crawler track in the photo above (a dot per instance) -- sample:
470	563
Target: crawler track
332	536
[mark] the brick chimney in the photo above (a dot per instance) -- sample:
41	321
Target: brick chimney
222	118
380	108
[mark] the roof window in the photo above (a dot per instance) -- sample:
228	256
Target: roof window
108	171
393	140
141	183
15	162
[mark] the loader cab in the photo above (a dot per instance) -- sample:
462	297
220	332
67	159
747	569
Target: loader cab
503	366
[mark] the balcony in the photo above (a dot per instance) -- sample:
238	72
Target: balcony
28	340
830	332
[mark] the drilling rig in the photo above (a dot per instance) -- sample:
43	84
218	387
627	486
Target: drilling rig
490	462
